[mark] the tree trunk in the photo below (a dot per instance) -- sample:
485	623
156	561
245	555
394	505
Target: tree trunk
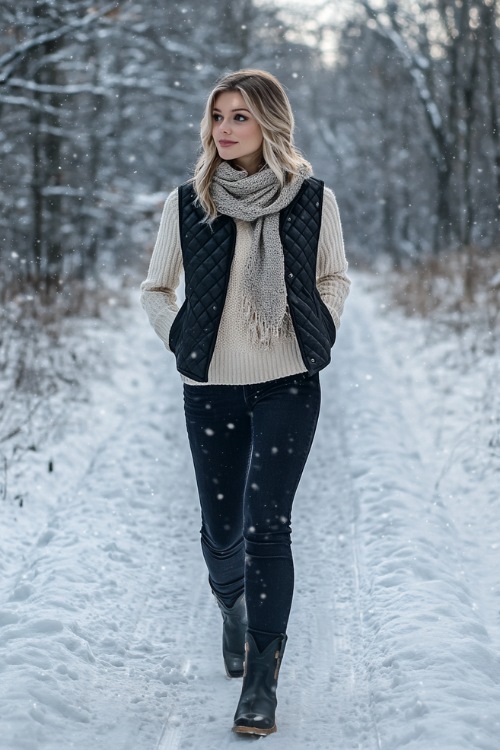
443	228
37	181
54	176
489	15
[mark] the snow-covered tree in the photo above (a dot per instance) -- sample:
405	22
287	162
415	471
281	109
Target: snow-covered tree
415	116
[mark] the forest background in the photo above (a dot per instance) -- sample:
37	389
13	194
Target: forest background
397	108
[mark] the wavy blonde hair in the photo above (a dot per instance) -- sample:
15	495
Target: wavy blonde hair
266	99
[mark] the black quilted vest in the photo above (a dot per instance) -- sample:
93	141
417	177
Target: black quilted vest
207	253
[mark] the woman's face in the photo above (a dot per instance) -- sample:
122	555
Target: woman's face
237	134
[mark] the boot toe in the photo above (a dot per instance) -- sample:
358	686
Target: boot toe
254	724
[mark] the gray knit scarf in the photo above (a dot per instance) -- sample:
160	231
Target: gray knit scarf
258	198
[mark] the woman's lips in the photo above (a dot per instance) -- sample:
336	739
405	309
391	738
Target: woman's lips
227	143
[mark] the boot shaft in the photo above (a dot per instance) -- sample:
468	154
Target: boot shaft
263	665
233	635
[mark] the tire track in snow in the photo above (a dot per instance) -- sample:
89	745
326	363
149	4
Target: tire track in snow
335	698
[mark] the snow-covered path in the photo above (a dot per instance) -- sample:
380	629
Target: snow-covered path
110	639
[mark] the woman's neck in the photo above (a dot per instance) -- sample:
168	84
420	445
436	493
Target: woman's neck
251	164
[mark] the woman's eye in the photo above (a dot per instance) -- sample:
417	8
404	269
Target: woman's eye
239	118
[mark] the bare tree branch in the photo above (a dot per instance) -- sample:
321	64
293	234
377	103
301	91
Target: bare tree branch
11	59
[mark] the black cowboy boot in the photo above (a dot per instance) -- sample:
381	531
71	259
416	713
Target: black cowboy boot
257	707
233	635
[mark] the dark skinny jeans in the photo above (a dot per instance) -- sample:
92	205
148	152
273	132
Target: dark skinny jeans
249	445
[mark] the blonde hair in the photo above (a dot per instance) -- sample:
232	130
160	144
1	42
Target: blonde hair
266	99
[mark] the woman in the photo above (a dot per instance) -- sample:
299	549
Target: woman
260	243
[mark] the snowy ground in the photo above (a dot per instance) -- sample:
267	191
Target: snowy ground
110	640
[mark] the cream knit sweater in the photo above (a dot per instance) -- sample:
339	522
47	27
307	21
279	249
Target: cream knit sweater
236	361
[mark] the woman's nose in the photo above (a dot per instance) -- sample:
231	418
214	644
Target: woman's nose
225	126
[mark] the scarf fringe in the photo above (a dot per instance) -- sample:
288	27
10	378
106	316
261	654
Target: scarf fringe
261	334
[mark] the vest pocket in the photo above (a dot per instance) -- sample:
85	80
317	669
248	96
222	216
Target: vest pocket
176	328
328	320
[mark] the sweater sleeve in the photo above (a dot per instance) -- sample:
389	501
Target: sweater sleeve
158	296
331	279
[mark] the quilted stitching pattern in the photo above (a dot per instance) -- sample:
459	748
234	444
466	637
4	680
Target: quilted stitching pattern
300	228
207	255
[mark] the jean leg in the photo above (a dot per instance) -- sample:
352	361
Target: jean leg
219	431
285	416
